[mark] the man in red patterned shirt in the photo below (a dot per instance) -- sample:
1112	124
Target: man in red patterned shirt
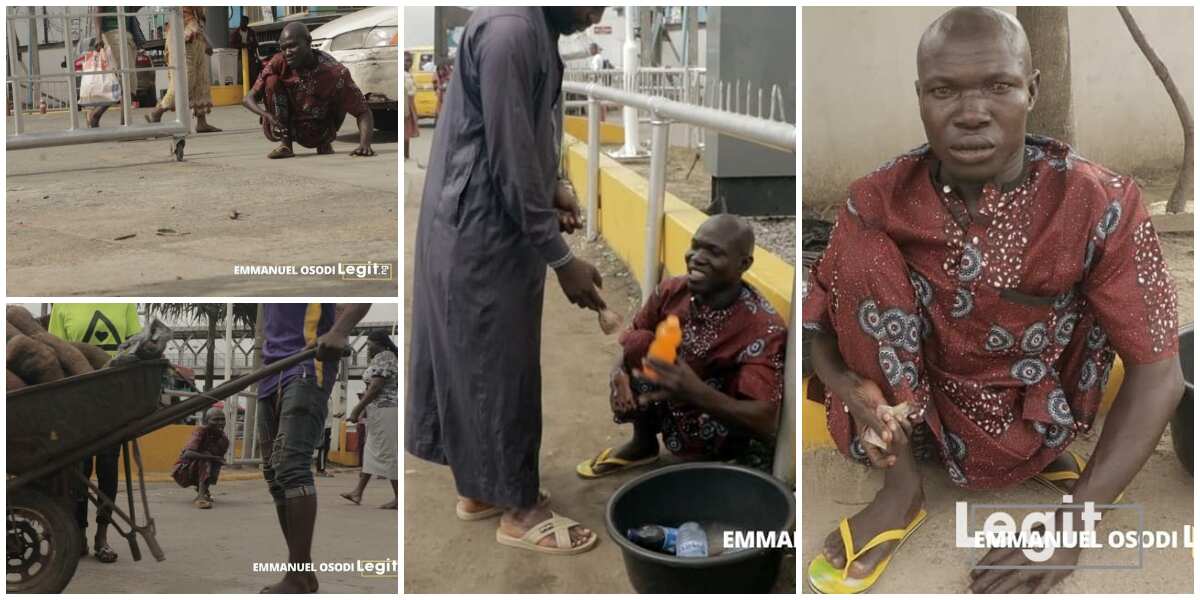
722	395
985	281
307	95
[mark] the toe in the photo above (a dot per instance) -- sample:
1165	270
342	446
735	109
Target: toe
834	552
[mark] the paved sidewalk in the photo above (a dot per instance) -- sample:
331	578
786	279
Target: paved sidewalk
67	205
930	563
213	551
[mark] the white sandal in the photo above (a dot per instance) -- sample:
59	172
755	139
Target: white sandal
557	525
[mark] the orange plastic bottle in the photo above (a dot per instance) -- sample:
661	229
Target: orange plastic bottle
667	337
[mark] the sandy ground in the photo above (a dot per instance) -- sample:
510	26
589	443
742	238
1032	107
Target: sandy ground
213	551
443	554
835	488
308	210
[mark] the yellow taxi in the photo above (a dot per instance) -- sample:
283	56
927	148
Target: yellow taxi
424	73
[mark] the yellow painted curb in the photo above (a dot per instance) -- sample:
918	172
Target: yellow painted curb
611	134
816	435
226	95
622	222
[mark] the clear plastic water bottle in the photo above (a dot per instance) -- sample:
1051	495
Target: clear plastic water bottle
691	542
654	537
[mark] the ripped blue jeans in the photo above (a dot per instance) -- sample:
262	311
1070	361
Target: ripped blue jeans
291	424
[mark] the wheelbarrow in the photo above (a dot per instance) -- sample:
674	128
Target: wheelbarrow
52	427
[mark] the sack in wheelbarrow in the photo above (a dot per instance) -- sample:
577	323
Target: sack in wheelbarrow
50	419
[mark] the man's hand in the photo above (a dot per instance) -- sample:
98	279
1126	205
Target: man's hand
332	345
273	121
567	206
621	393
1037	581
579	281
865	401
676	381
363	150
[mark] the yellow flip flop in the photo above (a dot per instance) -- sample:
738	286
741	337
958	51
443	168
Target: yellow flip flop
824	578
1052	479
586	469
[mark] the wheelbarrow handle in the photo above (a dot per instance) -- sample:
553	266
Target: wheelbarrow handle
162	417
223	391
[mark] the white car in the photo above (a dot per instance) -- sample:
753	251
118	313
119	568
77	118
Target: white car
367	42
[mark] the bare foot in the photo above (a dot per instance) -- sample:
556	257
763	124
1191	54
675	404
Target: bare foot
353	497
518	523
390	505
891	509
325	149
206	128
293	583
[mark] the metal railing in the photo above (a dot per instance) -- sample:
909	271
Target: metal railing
689	85
29	85
764	132
767	132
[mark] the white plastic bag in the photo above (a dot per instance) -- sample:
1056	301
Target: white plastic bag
99	89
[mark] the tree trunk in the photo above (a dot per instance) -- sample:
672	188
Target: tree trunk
212	343
1182	193
1049	32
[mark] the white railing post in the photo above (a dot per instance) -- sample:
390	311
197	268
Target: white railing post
631	58
179	54
72	89
660	129
593	167
123	49
785	441
231	404
14	58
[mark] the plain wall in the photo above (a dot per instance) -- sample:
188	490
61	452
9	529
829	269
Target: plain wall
860	108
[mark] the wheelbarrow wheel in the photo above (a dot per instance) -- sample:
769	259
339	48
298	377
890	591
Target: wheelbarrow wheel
43	543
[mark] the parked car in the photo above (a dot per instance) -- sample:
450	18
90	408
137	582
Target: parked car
143	92
366	42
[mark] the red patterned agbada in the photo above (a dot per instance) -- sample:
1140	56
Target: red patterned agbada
312	103
1000	332
189	472
739	350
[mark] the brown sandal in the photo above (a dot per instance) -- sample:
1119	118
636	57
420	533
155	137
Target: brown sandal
281	152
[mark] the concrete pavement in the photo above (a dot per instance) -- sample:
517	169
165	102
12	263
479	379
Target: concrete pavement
445	555
214	551
68	205
930	562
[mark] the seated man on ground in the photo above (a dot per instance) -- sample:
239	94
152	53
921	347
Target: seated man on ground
985	282
200	461
306	96
720	400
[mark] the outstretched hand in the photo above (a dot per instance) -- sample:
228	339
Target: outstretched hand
676	382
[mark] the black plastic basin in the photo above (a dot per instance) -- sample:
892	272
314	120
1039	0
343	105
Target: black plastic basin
1182	424
740	498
